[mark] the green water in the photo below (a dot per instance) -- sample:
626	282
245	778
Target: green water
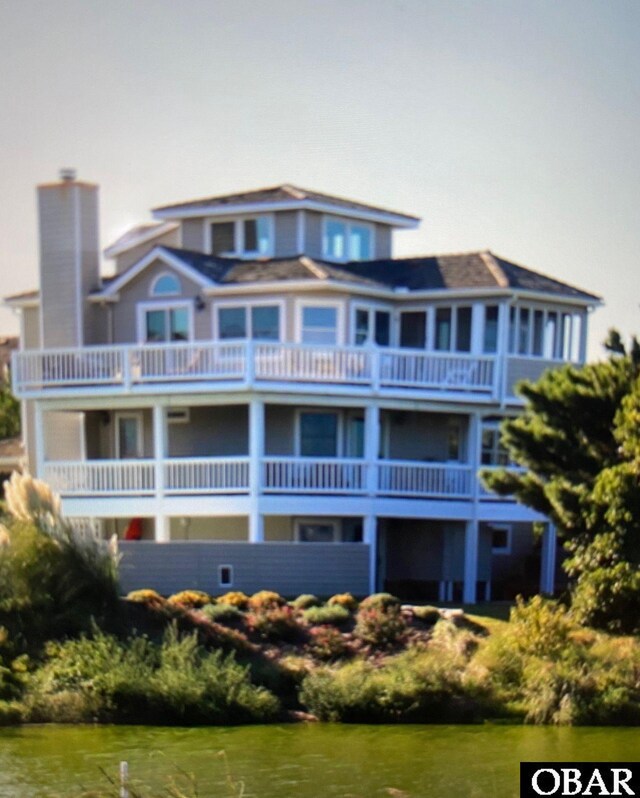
305	761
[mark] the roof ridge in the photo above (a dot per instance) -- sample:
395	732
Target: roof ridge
496	271
313	267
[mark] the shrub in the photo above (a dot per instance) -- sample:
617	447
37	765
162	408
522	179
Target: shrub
266	600
304	601
278	624
190	599
222	613
380	601
380	628
428	615
345	600
335	615
326	643
236	598
176	682
150	598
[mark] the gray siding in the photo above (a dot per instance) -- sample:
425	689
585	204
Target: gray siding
279	430
286	234
211	431
133	255
69	261
288	568
31	328
313	234
422	436
383	236
63	434
193	234
93	317
520	368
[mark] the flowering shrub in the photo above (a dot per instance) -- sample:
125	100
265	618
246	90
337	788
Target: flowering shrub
334	615
378	627
304	601
190	599
327	643
265	600
236	598
277	624
380	601
148	597
345	600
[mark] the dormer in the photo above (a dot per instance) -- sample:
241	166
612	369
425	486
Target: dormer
286	221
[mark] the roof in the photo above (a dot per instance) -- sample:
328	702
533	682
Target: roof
471	270
285	195
137	235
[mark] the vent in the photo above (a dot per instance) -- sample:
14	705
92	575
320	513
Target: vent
68	174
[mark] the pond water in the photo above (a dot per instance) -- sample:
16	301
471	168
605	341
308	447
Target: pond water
305	760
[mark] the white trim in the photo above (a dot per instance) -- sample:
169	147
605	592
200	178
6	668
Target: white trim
158	230
348	225
334	523
161	304
139	417
247	305
385	217
157	253
238	221
300	304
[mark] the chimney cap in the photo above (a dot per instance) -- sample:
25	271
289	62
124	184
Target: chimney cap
68	174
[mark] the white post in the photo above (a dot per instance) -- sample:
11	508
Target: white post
39	440
583	337
159	448
470	562
124	780
548	564
502	353
372	446
370	537
256	456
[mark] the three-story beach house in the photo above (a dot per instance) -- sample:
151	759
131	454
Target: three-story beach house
261	396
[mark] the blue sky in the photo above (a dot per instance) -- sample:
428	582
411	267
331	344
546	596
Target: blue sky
508	125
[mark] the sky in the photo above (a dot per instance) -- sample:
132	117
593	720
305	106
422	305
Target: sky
510	125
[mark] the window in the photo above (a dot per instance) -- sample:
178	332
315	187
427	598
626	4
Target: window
225	575
242	237
166	285
166	323
319	324
413	329
493	453
381	332
454	440
128	442
490	342
178	415
344	240
453	329
500	538
318	434
534	332
259	322
316	530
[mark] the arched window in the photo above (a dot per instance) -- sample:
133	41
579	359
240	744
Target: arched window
166	285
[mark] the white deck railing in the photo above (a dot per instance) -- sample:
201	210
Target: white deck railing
311	475
101	477
188	475
433	480
124	367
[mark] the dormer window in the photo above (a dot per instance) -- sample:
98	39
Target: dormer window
243	238
166	285
344	241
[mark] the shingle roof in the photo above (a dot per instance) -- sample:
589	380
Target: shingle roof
431	273
278	194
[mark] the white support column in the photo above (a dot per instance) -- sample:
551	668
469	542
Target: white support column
163	528
256	455
38	424
584	317
162	522
548	563
372	446
470	562
370	537
502	353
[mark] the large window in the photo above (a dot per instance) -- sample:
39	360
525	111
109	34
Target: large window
316	530
343	241
128	441
413	329
319	324
259	322
166	324
453	329
493	452
551	334
242	237
318	434
490	338
372	326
